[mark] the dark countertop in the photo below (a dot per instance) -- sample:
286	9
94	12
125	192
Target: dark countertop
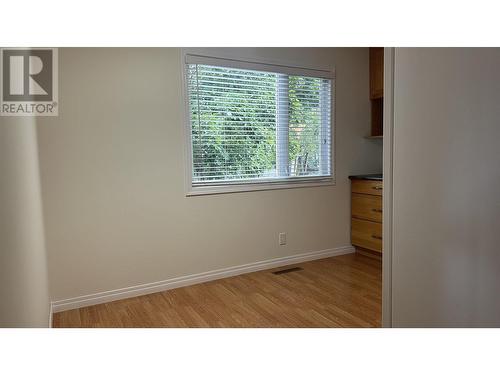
376	177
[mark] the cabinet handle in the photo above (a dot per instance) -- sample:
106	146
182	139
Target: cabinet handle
376	237
377	187
376	210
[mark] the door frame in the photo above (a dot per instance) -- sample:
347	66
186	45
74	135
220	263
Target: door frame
387	255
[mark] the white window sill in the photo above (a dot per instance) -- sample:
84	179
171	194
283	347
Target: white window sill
257	186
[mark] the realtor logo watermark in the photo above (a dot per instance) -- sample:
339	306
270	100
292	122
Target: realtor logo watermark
29	82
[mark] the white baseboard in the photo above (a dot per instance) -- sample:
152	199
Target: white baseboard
160	286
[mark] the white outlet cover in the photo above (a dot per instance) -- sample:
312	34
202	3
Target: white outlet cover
282	238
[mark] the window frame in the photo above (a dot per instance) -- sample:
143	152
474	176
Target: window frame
234	186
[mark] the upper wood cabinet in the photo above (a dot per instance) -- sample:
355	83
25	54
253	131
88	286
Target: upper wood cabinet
376	72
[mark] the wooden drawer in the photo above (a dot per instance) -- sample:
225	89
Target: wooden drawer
371	187
367	207
367	234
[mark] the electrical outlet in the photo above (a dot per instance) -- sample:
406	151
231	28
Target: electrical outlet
282	238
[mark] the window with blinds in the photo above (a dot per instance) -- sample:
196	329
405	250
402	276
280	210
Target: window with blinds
258	123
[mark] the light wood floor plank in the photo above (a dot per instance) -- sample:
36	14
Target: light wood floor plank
342	291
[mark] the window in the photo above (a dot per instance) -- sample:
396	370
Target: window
256	126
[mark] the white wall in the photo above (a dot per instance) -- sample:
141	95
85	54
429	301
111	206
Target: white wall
446	255
24	292
113	175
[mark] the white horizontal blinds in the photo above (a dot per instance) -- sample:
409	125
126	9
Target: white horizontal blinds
257	125
309	151
233	123
261	67
326	101
282	123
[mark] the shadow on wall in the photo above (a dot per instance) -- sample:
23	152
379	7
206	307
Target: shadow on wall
23	264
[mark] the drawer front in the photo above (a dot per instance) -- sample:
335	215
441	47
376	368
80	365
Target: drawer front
366	234
367	207
367	187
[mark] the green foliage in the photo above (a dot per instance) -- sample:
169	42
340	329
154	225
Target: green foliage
233	122
304	124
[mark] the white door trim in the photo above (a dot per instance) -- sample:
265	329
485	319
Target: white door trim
389	53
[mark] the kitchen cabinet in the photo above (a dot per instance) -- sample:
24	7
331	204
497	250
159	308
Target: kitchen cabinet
366	212
376	72
377	90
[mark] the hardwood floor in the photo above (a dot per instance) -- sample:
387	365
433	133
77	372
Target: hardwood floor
342	291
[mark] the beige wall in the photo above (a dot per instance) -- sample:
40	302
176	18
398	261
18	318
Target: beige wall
446	255
24	292
112	171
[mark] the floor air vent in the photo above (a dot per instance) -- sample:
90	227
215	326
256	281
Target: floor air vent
293	269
